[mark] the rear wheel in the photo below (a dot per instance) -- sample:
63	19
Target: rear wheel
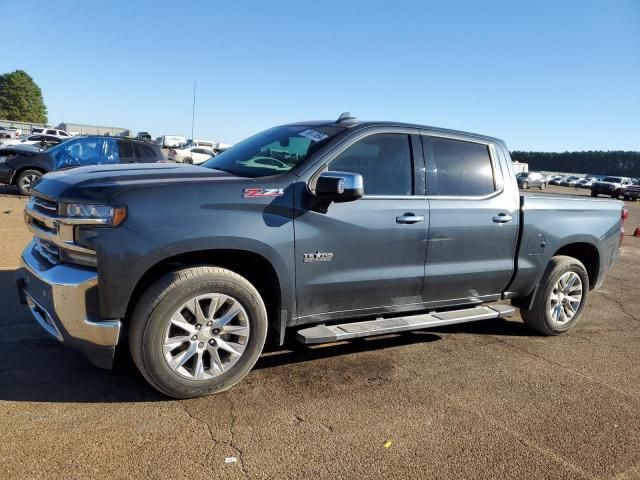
197	331
543	186
560	297
594	194
27	179
188	161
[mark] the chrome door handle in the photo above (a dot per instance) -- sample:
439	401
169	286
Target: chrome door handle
502	218
409	218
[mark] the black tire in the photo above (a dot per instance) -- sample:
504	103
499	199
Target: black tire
525	186
594	194
627	198
539	317
614	195
543	186
154	310
188	161
26	179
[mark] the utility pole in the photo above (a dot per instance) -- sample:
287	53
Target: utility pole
193	111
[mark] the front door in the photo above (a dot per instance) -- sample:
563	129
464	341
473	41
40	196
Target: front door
474	221
365	256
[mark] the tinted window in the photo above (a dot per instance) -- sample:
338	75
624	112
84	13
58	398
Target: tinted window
612	179
383	160
52	132
143	151
462	168
125	148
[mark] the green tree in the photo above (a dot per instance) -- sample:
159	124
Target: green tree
21	98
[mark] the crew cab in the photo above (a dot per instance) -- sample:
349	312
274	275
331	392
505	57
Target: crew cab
372	228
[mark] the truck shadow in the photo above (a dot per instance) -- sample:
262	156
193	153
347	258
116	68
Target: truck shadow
36	368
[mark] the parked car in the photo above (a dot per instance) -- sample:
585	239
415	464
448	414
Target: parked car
23	165
585	183
44	141
171	141
9	132
555	180
199	263
566	181
190	154
531	179
612	186
632	192
146	136
51	131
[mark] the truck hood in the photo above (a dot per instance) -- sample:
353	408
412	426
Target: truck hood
100	183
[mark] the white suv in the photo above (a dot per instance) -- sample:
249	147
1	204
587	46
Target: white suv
51	131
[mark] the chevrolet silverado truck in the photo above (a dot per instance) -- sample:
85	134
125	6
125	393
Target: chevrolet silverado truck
326	230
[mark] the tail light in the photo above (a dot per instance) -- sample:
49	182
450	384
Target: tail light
624	214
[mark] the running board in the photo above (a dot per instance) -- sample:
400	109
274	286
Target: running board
383	326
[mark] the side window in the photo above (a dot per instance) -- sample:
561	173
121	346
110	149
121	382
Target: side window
51	132
125	149
383	160
461	168
143	151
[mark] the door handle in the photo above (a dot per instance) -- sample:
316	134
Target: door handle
409	218
502	218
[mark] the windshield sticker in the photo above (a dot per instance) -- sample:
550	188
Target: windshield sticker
262	192
313	135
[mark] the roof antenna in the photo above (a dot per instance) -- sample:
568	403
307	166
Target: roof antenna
345	117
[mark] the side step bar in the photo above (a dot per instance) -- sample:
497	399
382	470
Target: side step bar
382	326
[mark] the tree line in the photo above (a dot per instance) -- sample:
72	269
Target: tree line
626	164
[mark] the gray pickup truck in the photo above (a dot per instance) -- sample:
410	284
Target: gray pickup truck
326	230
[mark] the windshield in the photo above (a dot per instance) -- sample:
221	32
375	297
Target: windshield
273	151
84	151
612	179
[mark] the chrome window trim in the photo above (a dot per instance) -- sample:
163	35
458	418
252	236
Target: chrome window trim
498	181
347	142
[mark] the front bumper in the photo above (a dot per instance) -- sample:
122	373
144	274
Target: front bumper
63	299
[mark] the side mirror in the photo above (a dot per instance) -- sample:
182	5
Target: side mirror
339	187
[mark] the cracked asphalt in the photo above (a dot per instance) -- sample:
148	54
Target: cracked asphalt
483	400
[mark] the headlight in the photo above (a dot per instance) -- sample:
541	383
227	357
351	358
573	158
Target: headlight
112	216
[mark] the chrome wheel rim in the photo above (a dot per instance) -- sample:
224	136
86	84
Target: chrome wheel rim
27	181
565	298
206	336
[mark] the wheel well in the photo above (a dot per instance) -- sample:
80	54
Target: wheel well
22	169
255	268
588	255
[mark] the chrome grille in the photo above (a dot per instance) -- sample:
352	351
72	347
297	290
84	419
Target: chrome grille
44	205
47	250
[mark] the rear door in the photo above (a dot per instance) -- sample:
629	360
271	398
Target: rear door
365	256
474	220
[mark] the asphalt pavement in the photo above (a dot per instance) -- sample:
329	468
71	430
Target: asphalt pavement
483	400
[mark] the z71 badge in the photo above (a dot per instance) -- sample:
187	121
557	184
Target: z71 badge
262	192
318	257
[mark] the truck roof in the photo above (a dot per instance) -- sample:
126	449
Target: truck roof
352	122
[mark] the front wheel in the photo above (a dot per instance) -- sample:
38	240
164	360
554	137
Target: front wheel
594	194
27	179
525	186
188	161
197	331
543	186
560	297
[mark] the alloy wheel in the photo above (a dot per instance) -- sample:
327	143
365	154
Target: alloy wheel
206	336
565	298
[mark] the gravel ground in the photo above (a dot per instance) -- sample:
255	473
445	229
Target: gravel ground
484	400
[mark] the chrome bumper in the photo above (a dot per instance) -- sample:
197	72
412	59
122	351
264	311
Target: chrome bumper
63	299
